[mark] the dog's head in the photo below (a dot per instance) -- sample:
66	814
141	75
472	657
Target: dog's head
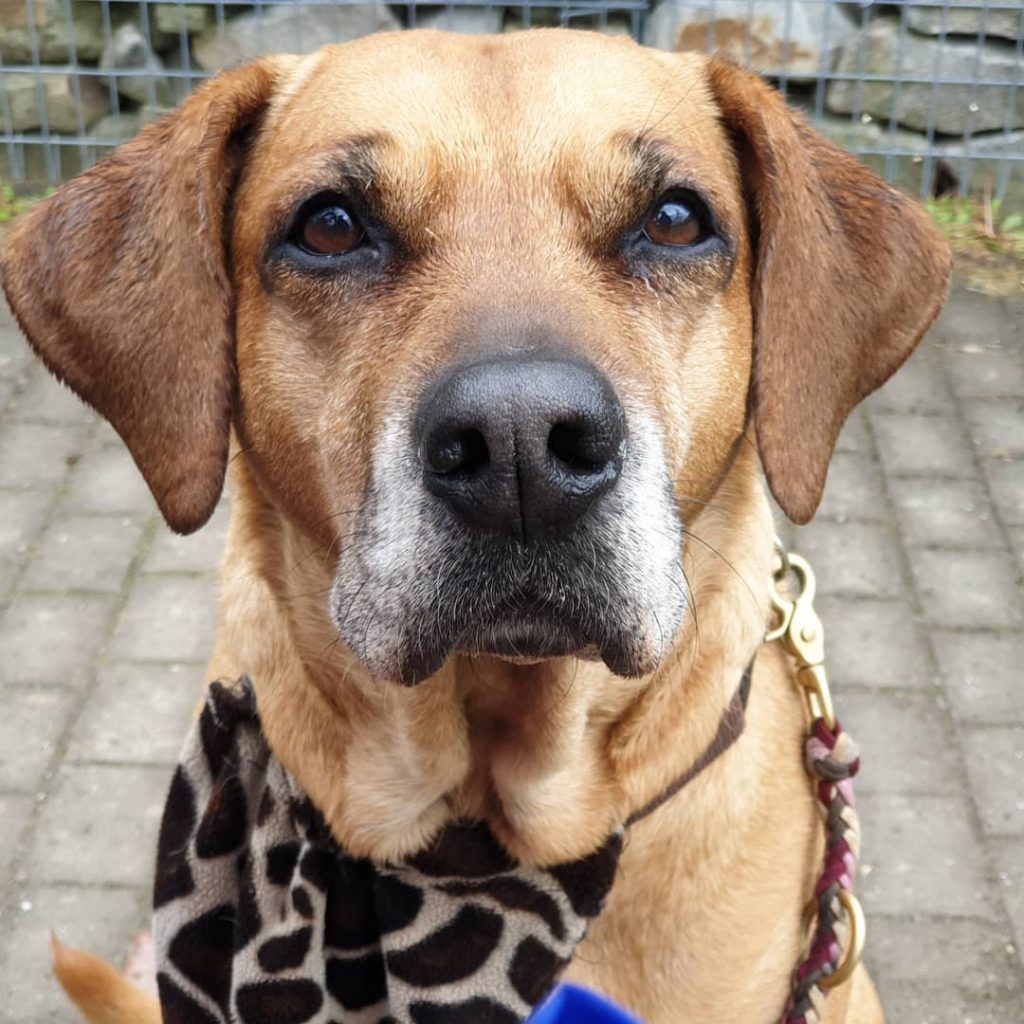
490	317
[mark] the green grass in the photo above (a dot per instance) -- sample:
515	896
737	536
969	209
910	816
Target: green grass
987	243
972	223
11	203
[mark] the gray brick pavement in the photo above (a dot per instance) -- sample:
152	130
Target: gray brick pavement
105	622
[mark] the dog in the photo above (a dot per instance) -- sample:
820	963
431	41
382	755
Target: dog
500	338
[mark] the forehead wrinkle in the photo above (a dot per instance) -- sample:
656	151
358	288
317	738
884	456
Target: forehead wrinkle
608	177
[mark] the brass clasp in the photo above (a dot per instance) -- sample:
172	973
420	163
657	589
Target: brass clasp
800	630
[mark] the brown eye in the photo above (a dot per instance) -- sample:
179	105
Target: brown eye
330	229
676	221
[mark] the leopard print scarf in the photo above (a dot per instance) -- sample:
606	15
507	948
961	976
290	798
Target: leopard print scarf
261	918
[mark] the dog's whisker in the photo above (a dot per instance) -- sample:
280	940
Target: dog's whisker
710	547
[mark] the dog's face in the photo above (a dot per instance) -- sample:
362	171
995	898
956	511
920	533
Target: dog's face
490	317
454	299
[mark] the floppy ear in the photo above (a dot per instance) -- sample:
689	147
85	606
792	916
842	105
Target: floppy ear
119	280
848	276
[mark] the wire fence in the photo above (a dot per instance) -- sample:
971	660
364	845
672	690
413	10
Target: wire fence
930	93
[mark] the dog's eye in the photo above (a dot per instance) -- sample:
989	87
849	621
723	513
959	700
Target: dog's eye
677	221
328	228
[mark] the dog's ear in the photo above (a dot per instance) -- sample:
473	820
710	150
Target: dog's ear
848	275
119	280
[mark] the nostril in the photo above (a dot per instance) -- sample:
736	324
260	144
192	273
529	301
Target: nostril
575	447
463	453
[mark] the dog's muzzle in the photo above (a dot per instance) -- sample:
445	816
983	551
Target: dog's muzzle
521	511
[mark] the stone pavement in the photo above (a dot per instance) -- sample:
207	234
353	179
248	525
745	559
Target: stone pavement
105	622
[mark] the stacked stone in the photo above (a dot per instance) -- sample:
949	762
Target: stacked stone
145	56
918	62
55	53
70	68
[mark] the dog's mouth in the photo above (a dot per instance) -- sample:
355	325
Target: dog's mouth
518	603
527	637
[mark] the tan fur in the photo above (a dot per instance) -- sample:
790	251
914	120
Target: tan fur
102	994
504	164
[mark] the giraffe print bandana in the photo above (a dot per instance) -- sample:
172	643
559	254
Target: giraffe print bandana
261	918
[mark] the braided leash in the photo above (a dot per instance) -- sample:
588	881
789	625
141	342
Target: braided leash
832	760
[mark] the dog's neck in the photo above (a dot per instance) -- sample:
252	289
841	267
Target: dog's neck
553	755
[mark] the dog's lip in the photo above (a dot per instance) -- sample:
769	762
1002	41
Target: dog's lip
498	604
527	638
523	638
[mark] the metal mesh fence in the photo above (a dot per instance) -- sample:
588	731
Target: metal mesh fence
930	92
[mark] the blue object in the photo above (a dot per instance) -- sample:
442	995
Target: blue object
570	1004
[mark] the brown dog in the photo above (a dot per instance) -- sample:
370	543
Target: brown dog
494	322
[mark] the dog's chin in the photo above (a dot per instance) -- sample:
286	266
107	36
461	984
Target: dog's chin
522	639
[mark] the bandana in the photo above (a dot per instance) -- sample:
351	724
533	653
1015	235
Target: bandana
262	918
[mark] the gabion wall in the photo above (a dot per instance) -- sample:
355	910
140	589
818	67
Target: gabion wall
931	93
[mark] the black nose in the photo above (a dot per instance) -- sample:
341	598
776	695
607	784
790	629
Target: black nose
521	444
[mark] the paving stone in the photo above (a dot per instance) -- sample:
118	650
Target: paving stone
919	386
972	319
106	482
1017	543
22	514
905	743
167	618
854	489
920	852
92	811
995	764
15	812
8	574
84	553
1013	306
854	436
138	714
875	643
45	400
30	728
100	920
38	455
946	1003
932	446
980	370
996	427
50	638
983	674
1009	859
973	589
1006	482
979	949
105	436
197	553
15	355
852	559
945	513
